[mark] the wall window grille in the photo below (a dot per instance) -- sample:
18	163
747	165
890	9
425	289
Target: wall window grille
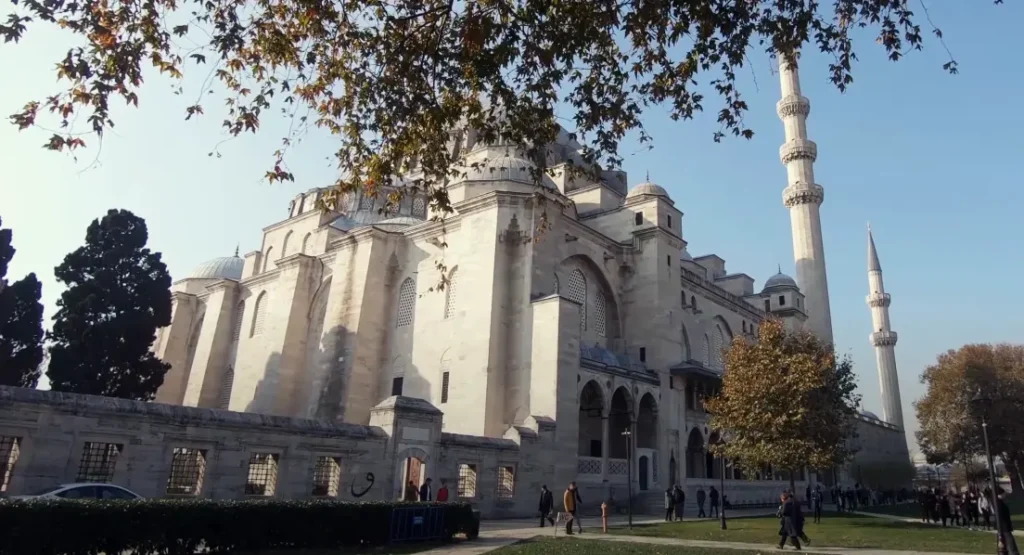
326	476
767	305
600	313
262	477
506	482
267	258
236	325
705	358
578	293
188	467
98	461
284	244
419	207
10	450
693	302
259	314
406	302
224	398
444	388
396	385
467	481
718	344
366	203
450	291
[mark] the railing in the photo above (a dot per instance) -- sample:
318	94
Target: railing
589	465
617	467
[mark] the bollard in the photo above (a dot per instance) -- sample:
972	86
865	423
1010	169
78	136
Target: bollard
604	517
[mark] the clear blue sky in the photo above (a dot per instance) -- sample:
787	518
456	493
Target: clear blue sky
935	162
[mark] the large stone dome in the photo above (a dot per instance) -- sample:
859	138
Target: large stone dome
225	267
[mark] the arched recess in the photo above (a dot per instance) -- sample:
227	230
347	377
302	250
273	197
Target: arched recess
685	339
306	243
705	352
647	423
267	258
590	420
406	303
695	463
259	314
620	419
596	281
285	243
712	463
224	395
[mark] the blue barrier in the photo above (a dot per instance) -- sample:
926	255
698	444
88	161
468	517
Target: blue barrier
417	524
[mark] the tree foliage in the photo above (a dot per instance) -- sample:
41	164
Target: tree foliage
951	425
118	296
21	322
391	79
885	475
786	402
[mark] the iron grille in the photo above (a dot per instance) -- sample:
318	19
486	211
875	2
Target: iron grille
188	467
588	466
98	461
326	475
506	482
10	449
467	480
444	387
262	478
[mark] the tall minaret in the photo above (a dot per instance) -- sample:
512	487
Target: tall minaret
803	197
884	339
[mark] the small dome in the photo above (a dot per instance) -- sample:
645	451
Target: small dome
400	221
508	167
226	267
648	188
780	280
869	414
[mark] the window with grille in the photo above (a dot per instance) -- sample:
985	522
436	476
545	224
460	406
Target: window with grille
638	218
262	478
419	207
366	203
578	293
188	467
266	258
306	243
444	388
718	345
506	482
767	305
10	450
259	314
782	300
705	358
693	302
326	476
556	284
406	302
224	397
236	330
450	292
668	218
467	480
98	461
600	310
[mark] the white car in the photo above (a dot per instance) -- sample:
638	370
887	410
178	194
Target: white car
82	491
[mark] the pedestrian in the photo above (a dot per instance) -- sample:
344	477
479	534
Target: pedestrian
579	506
807	492
701	496
787	523
985	506
1009	544
817	501
944	510
410	492
425	494
798	512
547	502
670	503
713	497
680	500
442	492
569	504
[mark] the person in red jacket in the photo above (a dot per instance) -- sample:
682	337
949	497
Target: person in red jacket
442	492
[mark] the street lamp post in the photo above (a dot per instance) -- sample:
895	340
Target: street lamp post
629	474
983	403
721	492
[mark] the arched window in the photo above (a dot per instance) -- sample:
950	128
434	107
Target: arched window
556	284
366	203
259	313
578	293
236	330
693	302
266	258
600	307
705	358
419	207
284	245
224	397
450	292
406	302
744	326
718	344
305	243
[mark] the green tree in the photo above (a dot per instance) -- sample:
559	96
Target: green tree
391	79
118	296
786	402
885	474
21	323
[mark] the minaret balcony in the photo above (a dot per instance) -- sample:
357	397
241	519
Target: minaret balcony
798	149
882	338
802	193
793	105
879	300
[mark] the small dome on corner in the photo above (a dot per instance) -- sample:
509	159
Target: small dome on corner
648	188
225	267
780	280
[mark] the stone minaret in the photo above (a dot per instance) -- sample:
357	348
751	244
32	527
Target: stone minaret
803	197
884	339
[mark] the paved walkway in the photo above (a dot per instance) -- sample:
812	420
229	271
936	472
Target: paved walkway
933	523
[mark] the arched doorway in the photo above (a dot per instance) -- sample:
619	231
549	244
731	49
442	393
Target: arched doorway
647	423
672	470
591	426
620	419
413	472
642	474
695	463
712	463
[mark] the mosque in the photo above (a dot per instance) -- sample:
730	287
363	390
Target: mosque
602	325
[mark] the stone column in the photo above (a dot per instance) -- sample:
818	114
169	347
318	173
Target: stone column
604	446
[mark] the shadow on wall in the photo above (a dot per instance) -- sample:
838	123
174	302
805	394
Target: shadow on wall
332	362
264	397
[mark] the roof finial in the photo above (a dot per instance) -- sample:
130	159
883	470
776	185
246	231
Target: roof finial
869	227
780	268
236	250
648	178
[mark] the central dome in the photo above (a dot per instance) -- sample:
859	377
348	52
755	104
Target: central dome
225	267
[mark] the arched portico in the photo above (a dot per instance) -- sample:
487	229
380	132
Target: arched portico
695	462
647	441
593	433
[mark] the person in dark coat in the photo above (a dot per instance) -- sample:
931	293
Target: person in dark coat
670	503
944	510
787	523
701	496
680	499
809	500
1003	514
817	499
713	498
426	494
798	511
547	502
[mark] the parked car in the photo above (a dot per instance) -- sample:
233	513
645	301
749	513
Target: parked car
82	491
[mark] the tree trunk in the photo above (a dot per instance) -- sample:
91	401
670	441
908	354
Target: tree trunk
1013	469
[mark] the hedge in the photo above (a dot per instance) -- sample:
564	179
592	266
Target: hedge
184	527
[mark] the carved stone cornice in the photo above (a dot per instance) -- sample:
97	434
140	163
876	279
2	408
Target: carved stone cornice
798	149
884	338
801	193
876	300
793	105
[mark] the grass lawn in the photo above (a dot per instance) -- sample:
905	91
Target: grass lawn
396	549
836	530
573	546
913	510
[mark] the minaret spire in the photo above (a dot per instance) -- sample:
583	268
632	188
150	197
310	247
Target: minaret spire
883	339
803	196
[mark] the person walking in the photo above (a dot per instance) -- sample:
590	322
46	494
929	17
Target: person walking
579	505
670	503
410	492
442	492
817	499
713	497
1003	514
985	506
787	523
798	512
679	496
425	494
944	510
547	502
701	496
569	504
